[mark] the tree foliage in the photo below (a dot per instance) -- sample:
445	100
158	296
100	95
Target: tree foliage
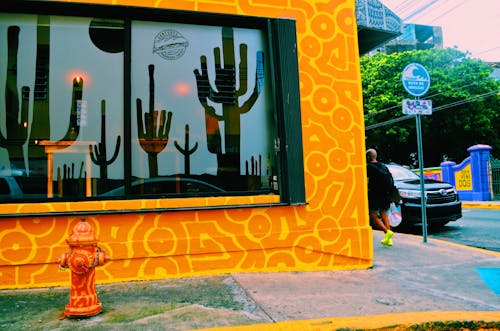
465	99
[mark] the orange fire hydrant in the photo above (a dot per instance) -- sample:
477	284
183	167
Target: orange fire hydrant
83	256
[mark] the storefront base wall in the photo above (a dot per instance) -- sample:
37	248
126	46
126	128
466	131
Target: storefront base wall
178	244
330	232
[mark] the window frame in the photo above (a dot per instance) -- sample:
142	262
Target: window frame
282	45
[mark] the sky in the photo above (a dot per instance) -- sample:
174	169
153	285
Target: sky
471	25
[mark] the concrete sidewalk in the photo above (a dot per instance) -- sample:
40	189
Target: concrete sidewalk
410	283
413	282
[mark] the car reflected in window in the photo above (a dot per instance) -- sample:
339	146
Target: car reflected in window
165	185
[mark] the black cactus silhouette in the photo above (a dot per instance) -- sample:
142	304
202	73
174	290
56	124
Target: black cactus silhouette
16	118
154	131
69	184
186	151
17	121
74	125
255	168
99	154
225	93
40	125
253	172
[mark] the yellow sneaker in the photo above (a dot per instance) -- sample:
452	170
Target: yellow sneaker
387	241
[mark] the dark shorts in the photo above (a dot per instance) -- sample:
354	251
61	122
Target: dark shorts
378	202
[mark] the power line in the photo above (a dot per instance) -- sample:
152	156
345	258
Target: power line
429	97
450	105
447	12
420	10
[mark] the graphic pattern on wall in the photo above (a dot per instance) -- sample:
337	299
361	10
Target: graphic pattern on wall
330	232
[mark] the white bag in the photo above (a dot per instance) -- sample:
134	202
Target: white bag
394	214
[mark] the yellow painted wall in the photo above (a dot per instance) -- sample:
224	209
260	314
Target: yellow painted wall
463	179
330	232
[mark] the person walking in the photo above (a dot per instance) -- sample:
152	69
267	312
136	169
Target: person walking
380	182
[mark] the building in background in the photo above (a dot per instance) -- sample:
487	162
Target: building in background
416	37
377	25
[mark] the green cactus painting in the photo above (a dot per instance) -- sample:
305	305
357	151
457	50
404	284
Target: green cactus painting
153	132
98	154
225	93
186	151
16	113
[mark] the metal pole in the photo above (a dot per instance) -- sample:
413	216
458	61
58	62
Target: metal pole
422	187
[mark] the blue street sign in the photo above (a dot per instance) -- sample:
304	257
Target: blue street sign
416	79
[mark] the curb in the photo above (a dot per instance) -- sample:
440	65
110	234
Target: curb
474	249
432	320
481	205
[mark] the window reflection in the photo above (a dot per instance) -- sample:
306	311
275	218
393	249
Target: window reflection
56	130
202	116
220	129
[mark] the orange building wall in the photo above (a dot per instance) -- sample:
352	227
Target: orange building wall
330	232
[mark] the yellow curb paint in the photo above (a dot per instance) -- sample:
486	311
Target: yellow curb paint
449	243
369	322
484	205
475	249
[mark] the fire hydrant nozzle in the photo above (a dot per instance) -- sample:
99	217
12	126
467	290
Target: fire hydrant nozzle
83	256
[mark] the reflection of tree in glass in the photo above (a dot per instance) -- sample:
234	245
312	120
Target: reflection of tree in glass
154	131
225	93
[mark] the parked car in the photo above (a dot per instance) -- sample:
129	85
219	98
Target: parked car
165	185
443	204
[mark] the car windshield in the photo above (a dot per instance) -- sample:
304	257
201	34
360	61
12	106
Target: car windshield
401	173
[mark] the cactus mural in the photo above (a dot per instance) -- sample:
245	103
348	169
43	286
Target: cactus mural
186	151
154	131
225	93
16	115
99	155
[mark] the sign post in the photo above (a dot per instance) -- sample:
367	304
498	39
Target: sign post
416	81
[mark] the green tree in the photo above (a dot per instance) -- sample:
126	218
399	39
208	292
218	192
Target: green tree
466	103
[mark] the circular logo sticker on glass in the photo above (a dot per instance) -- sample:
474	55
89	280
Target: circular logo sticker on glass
170	44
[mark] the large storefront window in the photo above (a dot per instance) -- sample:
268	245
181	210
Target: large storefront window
145	105
202	109
62	110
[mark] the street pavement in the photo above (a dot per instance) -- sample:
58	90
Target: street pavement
438	285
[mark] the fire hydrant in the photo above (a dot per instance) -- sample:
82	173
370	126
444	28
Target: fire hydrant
83	256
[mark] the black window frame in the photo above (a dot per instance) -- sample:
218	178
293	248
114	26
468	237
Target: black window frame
282	43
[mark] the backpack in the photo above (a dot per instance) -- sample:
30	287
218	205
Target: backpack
386	181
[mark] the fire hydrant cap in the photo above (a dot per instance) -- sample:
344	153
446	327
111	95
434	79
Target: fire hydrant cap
82	233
